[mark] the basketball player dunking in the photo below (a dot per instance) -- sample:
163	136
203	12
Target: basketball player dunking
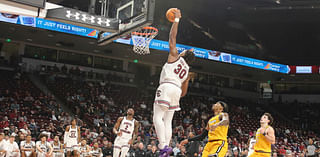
217	130
264	137
126	129
174	80
72	138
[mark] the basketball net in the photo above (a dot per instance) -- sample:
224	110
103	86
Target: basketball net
141	39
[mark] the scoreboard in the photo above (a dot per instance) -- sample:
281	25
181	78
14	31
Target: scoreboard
304	69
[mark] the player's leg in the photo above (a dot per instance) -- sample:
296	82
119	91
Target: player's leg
158	115
27	154
68	152
168	116
23	154
16	154
205	153
218	148
75	153
124	150
206	150
34	153
223	150
116	151
116	147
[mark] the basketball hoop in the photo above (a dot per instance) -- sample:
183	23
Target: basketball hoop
142	38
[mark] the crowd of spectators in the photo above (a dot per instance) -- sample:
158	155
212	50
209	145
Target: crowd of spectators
25	110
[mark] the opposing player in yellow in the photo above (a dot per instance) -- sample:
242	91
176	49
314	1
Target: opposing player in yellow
264	137
217	130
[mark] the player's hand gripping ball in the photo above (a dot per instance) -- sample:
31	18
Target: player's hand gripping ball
173	13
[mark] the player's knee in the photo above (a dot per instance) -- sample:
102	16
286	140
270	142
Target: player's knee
155	119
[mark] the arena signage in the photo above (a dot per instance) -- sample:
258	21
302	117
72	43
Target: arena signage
49	25
217	56
81	18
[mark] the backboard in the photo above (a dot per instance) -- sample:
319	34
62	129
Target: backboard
132	14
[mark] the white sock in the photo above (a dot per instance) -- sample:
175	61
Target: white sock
168	116
158	115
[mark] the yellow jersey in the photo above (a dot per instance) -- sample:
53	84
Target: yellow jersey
220	133
262	143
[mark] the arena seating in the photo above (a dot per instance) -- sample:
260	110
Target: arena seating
98	104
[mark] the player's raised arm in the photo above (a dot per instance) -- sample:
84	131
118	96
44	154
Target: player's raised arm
173	54
116	126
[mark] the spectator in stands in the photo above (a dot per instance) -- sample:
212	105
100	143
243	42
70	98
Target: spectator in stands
107	149
153	152
21	123
140	151
288	153
20	137
15	106
53	116
4	123
274	154
301	147
192	146
12	129
311	149
145	122
176	149
235	152
96	121
12	148
244	153
33	127
182	152
13	115
187	120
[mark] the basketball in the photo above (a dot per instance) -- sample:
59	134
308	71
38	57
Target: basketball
170	14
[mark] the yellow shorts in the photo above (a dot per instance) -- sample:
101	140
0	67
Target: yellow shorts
215	148
258	154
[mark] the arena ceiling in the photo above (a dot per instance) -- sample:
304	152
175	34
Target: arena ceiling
274	31
282	31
